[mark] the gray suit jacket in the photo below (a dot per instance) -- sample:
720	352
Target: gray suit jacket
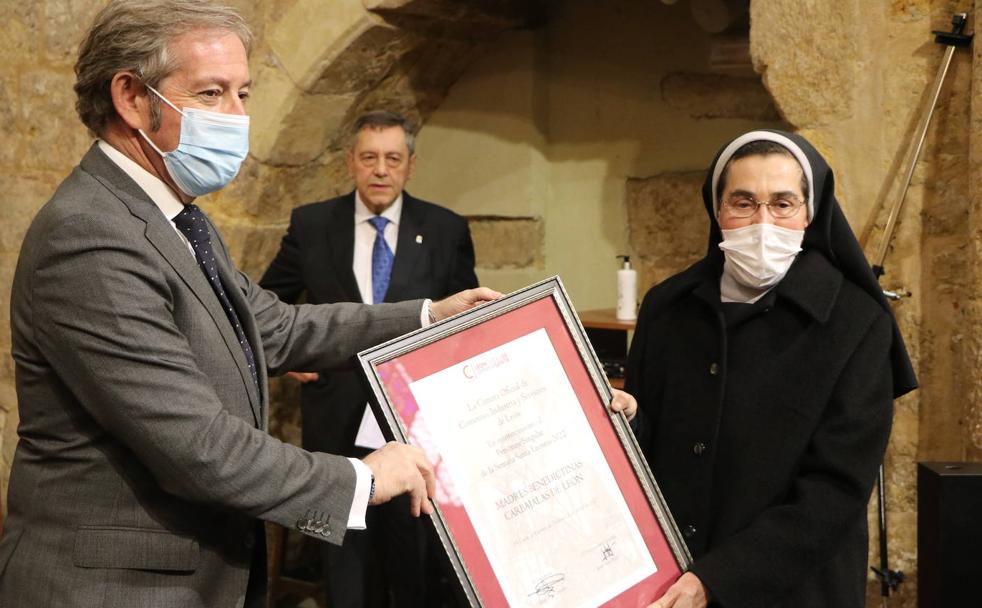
143	459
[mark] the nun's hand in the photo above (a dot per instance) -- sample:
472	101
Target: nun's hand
687	592
624	402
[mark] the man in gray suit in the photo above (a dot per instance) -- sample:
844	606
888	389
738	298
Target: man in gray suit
142	353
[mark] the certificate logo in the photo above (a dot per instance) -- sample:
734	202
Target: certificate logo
474	369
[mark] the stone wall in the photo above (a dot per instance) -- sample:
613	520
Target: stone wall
555	124
564	154
859	100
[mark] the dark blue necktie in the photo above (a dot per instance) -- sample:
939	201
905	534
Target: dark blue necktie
191	222
381	260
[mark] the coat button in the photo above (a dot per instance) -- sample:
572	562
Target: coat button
714	369
699	448
689	531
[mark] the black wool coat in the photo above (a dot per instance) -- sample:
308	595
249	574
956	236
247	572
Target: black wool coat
764	426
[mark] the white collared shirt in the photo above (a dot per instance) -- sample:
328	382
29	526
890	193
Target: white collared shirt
168	203
159	192
365	234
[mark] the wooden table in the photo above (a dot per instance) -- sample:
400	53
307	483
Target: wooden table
609	336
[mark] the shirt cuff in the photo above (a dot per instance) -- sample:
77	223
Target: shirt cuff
425	318
359	504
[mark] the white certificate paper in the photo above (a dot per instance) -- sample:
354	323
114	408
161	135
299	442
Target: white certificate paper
532	478
369	434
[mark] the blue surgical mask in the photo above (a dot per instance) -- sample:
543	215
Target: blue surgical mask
210	151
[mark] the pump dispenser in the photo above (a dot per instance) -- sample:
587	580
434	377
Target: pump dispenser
627	291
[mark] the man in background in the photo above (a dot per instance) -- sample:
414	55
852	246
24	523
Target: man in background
375	244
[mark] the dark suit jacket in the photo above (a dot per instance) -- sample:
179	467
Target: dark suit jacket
315	259
143	458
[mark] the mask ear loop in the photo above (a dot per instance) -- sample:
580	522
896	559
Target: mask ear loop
176	109
165	100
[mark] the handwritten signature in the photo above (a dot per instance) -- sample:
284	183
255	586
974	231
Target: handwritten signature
607	552
546	587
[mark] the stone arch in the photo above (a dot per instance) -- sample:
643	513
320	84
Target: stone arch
318	65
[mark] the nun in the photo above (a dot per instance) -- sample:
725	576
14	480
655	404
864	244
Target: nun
764	376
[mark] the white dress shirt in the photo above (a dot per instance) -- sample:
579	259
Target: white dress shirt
365	234
168	203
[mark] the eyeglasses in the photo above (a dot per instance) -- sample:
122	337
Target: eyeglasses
780	207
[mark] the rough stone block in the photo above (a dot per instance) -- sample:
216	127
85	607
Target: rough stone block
54	137
66	22
507	242
8	265
314	123
8	443
478	18
308	35
667	224
436	63
23	195
252	247
284	413
254	11
365	61
267	194
7	398
10	122
19	32
716	96
810	71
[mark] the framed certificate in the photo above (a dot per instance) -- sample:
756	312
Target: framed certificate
542	495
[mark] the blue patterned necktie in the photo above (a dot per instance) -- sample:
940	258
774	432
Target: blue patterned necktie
192	223
381	260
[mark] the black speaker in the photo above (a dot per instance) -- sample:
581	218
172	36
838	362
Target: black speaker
949	534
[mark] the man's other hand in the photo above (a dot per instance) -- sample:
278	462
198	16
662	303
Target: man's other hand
624	402
402	469
461	301
304	377
687	592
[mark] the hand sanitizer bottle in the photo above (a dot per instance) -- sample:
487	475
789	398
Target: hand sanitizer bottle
627	291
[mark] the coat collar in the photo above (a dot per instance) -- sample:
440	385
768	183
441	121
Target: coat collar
813	284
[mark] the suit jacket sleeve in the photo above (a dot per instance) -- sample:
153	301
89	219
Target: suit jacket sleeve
284	277
104	319
320	336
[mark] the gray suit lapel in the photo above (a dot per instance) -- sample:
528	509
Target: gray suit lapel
162	235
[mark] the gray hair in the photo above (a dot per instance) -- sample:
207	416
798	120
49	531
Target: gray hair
135	35
383	119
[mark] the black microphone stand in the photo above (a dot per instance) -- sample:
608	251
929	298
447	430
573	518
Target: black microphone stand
891	579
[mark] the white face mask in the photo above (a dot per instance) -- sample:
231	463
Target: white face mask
759	255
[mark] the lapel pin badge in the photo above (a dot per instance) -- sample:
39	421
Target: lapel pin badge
419	239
